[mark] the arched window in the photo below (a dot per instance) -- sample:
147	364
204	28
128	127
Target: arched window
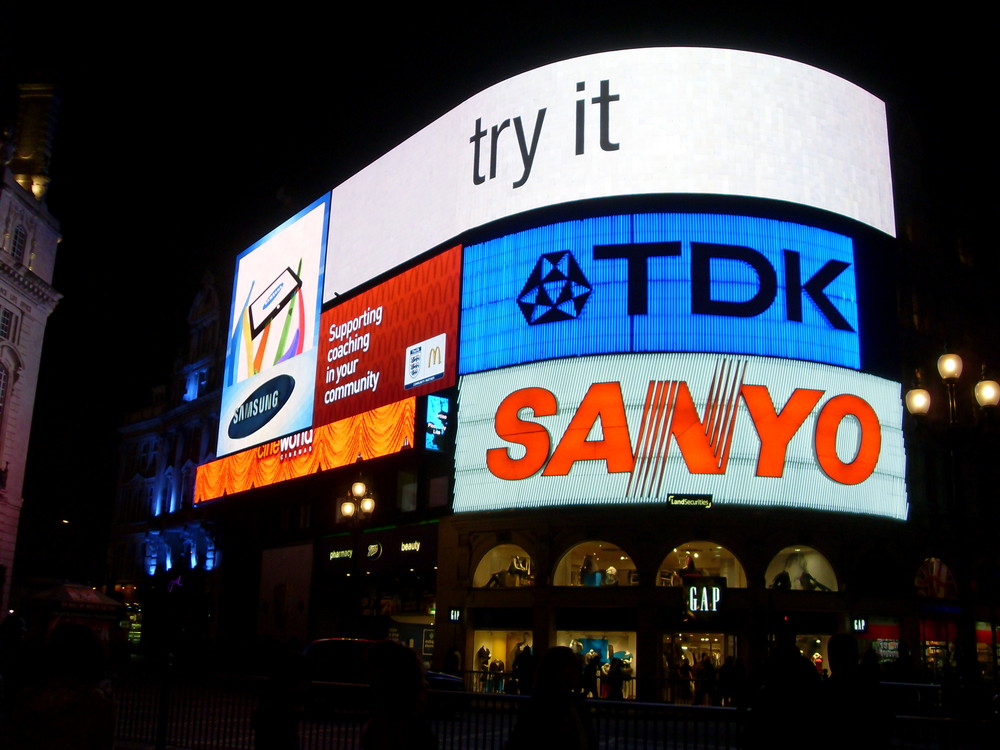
800	568
706	559
504	566
595	563
934	580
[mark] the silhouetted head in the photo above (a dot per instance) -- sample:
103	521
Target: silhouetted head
396	676
843	652
560	672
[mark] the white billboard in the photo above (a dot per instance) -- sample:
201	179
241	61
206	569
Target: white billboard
682	429
273	331
631	122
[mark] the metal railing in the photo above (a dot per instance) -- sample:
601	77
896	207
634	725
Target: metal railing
217	713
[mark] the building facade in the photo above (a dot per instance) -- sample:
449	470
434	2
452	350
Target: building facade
162	555
619	379
30	238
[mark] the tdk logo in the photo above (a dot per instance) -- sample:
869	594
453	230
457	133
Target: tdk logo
556	290
660	283
762	290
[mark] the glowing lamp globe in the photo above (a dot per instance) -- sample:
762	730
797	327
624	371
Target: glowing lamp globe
949	367
918	401
988	392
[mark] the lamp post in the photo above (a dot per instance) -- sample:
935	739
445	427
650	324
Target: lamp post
356	508
986	392
918	404
359	504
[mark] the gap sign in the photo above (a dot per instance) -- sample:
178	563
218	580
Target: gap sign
659	283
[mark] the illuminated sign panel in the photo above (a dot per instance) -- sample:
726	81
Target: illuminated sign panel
397	340
380	432
436	422
704	597
630	122
660	282
272	336
626	429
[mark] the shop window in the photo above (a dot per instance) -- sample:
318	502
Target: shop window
504	566
688	679
595	563
503	661
701	559
608	659
938	636
879	635
800	569
986	641
934	580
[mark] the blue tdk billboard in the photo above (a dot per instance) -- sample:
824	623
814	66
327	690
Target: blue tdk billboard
660	283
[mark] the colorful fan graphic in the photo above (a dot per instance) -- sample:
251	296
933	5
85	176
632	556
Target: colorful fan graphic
261	350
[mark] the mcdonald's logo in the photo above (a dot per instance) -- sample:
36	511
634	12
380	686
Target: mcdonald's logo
435	357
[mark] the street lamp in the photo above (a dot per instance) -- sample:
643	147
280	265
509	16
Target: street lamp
918	400
359	504
918	403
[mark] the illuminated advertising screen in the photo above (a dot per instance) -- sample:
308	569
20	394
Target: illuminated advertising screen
660	282
436	423
273	333
650	121
380	432
642	428
397	340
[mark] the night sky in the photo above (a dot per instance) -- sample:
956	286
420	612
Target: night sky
183	139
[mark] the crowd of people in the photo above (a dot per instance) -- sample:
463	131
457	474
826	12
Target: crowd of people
60	697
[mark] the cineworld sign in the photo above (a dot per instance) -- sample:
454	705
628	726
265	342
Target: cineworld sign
629	429
660	282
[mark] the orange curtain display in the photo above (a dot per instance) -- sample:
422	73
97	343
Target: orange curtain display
379	432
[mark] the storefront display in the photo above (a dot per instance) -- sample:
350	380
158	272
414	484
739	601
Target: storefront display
609	661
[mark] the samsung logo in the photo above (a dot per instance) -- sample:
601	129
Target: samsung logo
261	406
275	293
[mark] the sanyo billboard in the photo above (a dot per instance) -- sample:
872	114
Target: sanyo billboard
637	428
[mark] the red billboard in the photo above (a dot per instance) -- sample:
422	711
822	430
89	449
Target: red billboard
395	341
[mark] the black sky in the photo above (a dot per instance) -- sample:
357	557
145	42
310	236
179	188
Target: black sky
184	137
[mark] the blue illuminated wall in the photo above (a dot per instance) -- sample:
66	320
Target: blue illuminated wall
660	282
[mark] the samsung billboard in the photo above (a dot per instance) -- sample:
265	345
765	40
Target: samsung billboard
273	333
660	282
639	428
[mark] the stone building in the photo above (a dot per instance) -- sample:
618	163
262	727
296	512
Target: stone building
28	244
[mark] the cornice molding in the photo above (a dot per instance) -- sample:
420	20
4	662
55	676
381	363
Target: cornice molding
31	286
